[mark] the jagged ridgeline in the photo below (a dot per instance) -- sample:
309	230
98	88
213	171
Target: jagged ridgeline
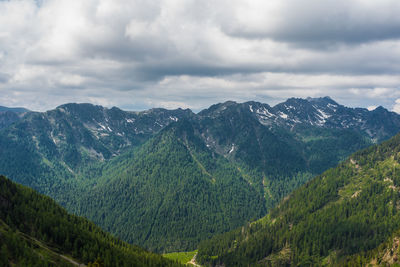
35	231
347	216
166	179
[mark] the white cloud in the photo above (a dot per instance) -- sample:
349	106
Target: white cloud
396	107
139	53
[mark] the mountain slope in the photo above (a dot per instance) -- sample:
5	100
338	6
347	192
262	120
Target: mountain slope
280	154
16	110
90	159
10	115
265	163
54	151
35	231
171	193
346	210
378	124
386	254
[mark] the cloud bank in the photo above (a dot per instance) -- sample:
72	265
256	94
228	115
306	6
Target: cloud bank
185	53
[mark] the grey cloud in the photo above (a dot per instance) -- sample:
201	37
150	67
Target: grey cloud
194	53
327	24
150	45
4	77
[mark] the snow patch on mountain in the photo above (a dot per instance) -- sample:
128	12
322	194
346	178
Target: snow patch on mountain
323	114
232	149
283	115
332	107
265	112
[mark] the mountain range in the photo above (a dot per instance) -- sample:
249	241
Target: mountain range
168	179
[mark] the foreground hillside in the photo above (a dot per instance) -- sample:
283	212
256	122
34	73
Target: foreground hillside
335	219
139	174
35	231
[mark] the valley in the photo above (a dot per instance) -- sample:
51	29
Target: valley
175	180
199	133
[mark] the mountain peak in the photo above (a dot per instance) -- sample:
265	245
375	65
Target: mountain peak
78	106
216	108
380	109
322	100
228	103
294	100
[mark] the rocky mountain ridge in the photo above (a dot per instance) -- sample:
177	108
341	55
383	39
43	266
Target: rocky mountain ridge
77	153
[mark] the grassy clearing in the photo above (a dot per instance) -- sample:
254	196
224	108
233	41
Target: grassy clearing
182	257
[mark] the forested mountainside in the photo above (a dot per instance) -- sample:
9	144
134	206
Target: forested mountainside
171	193
347	216
35	231
10	115
386	254
53	152
127	171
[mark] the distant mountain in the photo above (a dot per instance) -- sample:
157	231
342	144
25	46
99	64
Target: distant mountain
378	124
10	115
128	171
50	151
35	231
285	145
347	216
16	110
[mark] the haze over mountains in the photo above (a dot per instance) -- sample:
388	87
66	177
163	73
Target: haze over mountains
167	179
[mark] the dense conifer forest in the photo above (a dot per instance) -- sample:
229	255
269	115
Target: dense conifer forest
332	220
35	231
167	179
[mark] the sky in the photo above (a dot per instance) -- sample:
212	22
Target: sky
140	54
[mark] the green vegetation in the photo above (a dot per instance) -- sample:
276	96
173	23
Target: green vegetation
386	254
35	231
26	251
166	180
347	210
171	193
181	257
191	193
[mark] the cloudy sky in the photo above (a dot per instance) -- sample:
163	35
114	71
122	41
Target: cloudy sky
140	54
